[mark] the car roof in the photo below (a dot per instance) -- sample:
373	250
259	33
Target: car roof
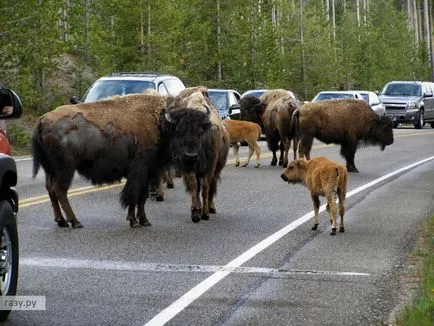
150	76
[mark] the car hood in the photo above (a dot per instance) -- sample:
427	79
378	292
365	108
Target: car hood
399	99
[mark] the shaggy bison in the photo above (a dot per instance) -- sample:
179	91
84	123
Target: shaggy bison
323	178
247	131
132	137
273	112
348	122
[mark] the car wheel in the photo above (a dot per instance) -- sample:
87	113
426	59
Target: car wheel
420	122
395	125
8	254
432	124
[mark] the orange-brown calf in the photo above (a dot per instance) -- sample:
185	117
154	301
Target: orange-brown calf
323	178
246	131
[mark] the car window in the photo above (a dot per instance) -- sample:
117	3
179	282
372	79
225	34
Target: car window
220	101
106	88
365	97
173	86
330	96
232	99
402	89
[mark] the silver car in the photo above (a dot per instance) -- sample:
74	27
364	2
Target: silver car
374	101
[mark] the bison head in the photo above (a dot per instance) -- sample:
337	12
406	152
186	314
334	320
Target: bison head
252	109
294	173
189	126
383	132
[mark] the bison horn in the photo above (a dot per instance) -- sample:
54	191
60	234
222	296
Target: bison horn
169	118
208	111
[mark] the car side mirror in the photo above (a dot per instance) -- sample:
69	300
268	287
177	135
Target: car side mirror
75	100
428	95
10	104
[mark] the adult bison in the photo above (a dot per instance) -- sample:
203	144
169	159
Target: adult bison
130	137
273	112
348	122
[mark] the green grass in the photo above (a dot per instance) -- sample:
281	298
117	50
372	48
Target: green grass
420	312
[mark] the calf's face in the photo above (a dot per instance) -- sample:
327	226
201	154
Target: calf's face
295	172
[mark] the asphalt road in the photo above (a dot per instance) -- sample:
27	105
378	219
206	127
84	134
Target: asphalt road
256	262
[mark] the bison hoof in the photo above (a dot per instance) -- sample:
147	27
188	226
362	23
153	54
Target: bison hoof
237	164
62	223
205	217
257	165
159	198
333	231
341	229
315	227
170	185
212	210
352	169
245	164
195	215
144	222
195	219
285	165
273	163
134	223
280	163
76	225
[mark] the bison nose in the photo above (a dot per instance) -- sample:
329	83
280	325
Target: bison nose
190	157
284	177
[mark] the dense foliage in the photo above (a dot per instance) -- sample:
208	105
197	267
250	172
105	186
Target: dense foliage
52	49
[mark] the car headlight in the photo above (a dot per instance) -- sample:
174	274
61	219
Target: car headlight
411	105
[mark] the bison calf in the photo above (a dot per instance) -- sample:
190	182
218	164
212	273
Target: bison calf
323	178
249	132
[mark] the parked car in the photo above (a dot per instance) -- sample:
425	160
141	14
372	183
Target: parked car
10	107
122	83
226	101
334	95
374	101
409	102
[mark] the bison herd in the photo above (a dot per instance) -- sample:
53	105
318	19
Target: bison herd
141	137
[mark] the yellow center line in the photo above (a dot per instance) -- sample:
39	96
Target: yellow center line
90	189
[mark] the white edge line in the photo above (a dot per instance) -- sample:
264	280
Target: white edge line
179	305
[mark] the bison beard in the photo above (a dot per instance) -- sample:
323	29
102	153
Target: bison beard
67	141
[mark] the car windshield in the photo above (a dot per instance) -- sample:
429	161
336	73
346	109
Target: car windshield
106	88
331	96
220	101
402	89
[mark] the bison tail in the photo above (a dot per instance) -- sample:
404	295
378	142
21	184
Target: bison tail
38	153
295	123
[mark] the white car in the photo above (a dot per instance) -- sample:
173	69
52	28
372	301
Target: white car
369	97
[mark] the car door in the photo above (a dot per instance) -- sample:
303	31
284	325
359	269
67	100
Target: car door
429	101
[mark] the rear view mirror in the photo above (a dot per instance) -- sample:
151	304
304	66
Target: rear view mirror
75	100
10	104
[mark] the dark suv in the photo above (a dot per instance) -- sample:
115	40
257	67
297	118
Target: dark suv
122	83
409	102
10	107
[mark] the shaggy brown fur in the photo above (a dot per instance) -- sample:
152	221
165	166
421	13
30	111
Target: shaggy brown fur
323	178
249	132
350	123
186	92
273	112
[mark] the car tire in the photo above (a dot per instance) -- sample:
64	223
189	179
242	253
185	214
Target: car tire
420	121
395	125
432	124
9	256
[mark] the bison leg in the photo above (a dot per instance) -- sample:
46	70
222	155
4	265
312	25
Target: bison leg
58	217
305	146
168	178
205	198
251	150
287	145
141	215
331	203
348	151
61	194
212	192
295	147
341	196
316	202
235	148
131	217
160	193
193	188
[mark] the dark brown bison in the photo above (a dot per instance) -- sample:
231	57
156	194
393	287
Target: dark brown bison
323	178
132	137
201	166
348	122
273	112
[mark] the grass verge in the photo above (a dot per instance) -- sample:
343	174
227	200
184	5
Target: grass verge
420	312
